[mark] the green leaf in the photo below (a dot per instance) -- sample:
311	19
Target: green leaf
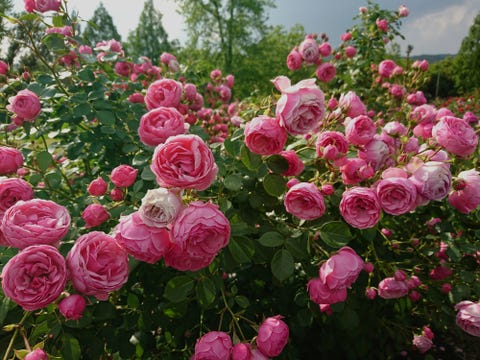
206	292
86	75
44	160
274	184
147	174
4	307
282	264
54	41
250	160
242	249
335	234
271	239
105	117
54	179
82	110
178	288
57	21
277	163
298	247
233	182
242	301
71	348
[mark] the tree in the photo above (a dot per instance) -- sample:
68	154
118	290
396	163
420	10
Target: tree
225	27
5	7
100	27
149	38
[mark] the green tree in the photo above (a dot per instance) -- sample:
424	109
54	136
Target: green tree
5	7
149	38
100	27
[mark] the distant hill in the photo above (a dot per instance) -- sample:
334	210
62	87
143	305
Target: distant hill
431	58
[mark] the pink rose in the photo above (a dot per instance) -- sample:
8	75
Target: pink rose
184	161
308	48
294	60
390	288
97	187
29	5
433	180
47	5
326	72
382	24
72	307
386	68
396	195
468	317
123	68
137	98
157	125
37	354
455	135
304	201
295	165
352	105
258	355
403	11
301	107
331	145
376	153
97	265
440	273
123	176
25	105
320	293
325	49
350	51
178	258
346	36
360	130
13	190
355	170
95	215
34	277
241	351
423	113
190	91
341	269
160	207
466	196
3	68
116	194
143	242
265	136
422	343
214	345
417	98
35	221
163	92
272	336
360	208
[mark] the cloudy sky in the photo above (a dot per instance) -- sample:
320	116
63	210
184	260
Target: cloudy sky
433	27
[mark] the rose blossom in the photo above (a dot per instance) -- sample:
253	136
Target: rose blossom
376	153
360	208
184	161
37	354
160	207
97	187
304	201
389	288
326	72
360	130
331	145
97	265
341	269
241	351
433	180
350	51
214	345
352	105
34	277
11	191
466	196
422	343
386	68
355	170
272	336
35	221
94	215
301	107
320	293
265	136
26	105
403	11
417	98
123	176
72	307
178	258
143	242
397	195
325	49
308	48
468	317
455	135
163	92
157	125
3	68
295	165
42	5
382	24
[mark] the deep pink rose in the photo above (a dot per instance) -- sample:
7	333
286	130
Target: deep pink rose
440	272
331	145
178	258
11	191
264	135
72	307
201	229
325	49
301	107
37	354
341	269
157	125
397	195
258	355
350	51
97	265
295	165
422	343
466	196
320	293
360	130
29	5
272	336
143	242
241	351
455	135
184	161
3	68
305	201
95	215
390	288
326	72
382	24
352	105
35	221
34	277
417	98
308	48
468	317
294	60
214	345
123	176
386	68
433	180
360	208
11	160
47	5
163	92
97	187
25	105
160	207
123	68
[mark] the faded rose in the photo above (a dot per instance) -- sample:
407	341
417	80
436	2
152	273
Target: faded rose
163	92
72	307
422	343
390	288
468	317
160	207
433	180
360	208
455	135
11	160
26	105
305	201
214	345
308	48
265	136
157	125
272	336
123	176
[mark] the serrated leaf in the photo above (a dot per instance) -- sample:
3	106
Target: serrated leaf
147	174
242	250
274	184
250	160
206	292
178	288
335	234
277	164
282	264
71	348
233	182
271	239
44	160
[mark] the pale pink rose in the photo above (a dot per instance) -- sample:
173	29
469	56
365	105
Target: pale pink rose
65	30
214	345
258	355
85	49
163	92
265	136
97	187
35	277
178	258
455	135
382	24
355	170
305	201
3	68
376	153
422	343
97	265
417	98
295	165
468	317
13	190
25	105
47	5
433	180
123	176
201	229
184	161
308	48
395	128
386	68
397	195
37	354
190	91
160	207
326	72
331	145
466	196
216	74
94	215
72	307
350	51
423	113
272	336
360	130
320	293
390	288
403	11
423	130
301	107
35	221
325	49
143	242
341	269
352	105
166	57
157	125
360	208
229	80
397	91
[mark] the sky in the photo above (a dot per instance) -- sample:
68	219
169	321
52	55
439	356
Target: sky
433	26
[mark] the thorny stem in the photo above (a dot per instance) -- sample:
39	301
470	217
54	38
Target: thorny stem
14	336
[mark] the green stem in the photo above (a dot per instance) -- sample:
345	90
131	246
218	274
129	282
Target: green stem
14	336
234	316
